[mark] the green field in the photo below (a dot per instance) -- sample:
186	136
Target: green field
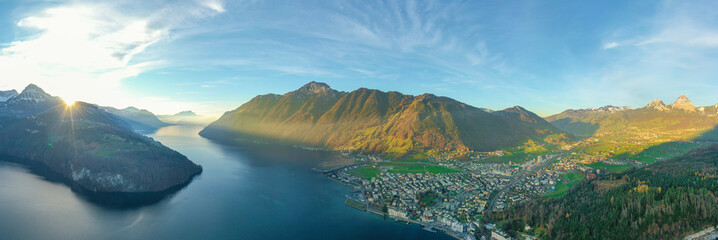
644	152
567	181
412	167
367	172
415	157
355	204
427	199
663	151
516	155
610	168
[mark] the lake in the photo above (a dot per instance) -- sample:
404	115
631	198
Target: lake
244	192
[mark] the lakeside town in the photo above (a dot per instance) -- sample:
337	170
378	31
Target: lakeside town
454	199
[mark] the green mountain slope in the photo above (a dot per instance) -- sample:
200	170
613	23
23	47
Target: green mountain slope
373	121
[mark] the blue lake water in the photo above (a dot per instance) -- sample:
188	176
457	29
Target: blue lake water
250	192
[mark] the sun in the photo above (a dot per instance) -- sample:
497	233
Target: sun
69	102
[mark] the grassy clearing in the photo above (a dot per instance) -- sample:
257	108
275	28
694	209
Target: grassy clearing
647	153
408	167
367	172
664	151
355	204
515	157
427	199
567	181
571	176
610	168
617	168
520	154
415	157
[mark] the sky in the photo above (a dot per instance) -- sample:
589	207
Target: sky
211	56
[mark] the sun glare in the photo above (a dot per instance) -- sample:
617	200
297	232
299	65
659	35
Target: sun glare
69	102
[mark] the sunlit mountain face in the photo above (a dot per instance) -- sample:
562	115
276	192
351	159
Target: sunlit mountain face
216	119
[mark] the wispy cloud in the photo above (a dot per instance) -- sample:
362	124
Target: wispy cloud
352	38
674	55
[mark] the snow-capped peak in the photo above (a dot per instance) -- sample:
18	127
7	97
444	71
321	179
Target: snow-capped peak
5	95
32	93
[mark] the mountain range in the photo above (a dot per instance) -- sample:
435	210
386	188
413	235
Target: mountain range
388	123
138	119
624	131
186	118
5	95
88	146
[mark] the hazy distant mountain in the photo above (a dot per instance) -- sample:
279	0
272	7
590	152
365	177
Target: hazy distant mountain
388	123
139	119
5	95
186	118
185	114
88	146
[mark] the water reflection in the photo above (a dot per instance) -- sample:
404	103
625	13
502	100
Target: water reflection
110	200
243	193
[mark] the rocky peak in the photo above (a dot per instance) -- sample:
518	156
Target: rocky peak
516	108
610	109
523	114
315	88
683	103
32	88
425	97
32	93
5	95
657	105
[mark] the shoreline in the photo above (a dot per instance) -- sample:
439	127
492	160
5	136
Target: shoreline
323	172
429	227
425	225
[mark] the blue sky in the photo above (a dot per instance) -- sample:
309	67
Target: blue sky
211	55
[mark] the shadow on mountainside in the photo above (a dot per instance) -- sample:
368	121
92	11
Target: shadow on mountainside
581	130
271	153
670	150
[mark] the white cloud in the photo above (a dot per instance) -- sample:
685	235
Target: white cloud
214	5
84	51
610	45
